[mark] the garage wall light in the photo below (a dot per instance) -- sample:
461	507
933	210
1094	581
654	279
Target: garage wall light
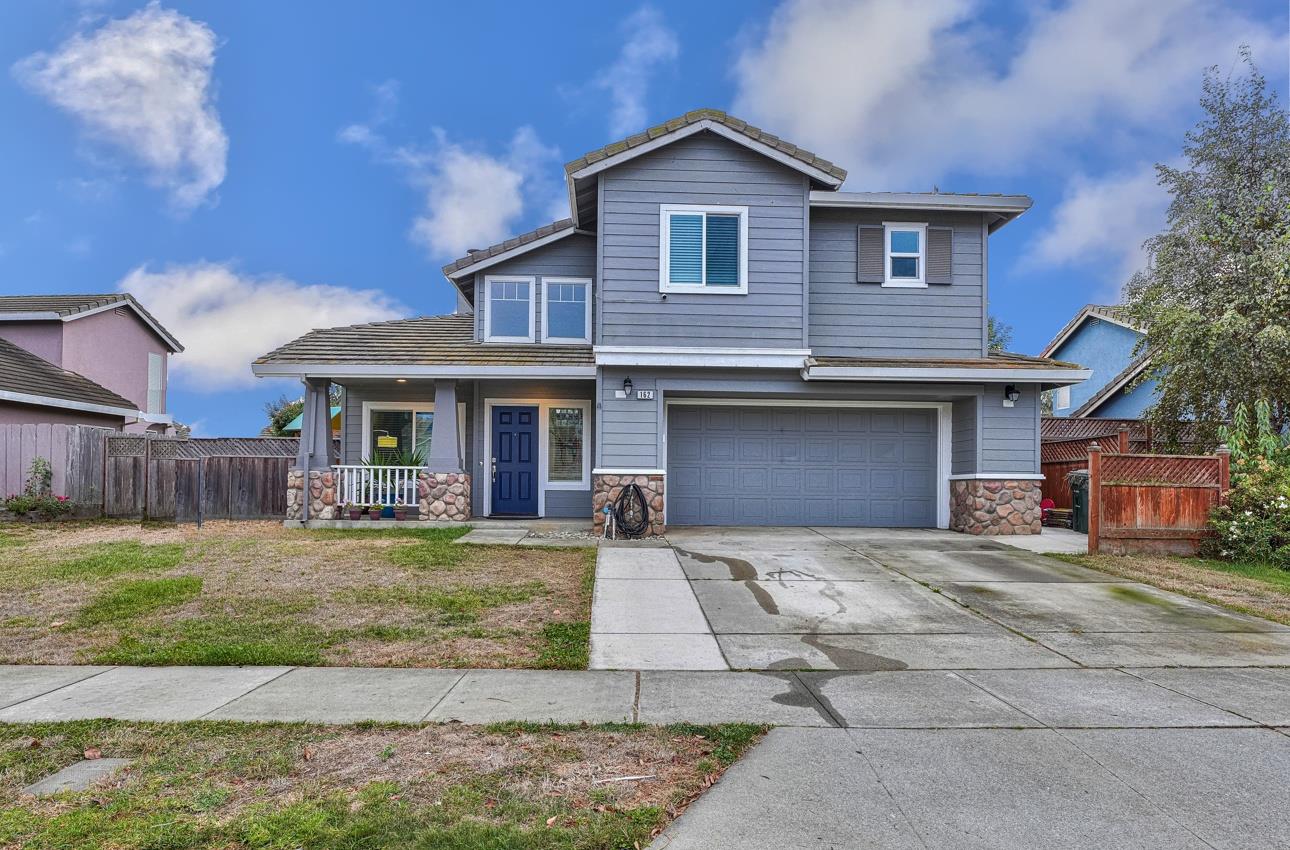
1010	395
627	387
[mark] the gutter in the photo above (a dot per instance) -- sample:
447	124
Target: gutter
930	374
447	372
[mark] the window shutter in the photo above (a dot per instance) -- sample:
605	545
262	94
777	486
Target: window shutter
723	250
869	253
940	255
685	249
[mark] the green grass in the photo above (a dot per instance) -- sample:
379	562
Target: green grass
566	646
221	640
450	605
1266	573
183	776
128	600
102	560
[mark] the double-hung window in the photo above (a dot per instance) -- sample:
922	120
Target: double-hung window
703	249
905	254
566	310
508	315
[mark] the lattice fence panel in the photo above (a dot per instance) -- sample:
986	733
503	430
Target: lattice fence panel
1178	470
127	446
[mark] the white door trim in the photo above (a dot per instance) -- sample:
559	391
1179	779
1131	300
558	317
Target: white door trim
543	406
943	431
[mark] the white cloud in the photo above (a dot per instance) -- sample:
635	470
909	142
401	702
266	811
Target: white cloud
1103	222
649	44
143	84
906	96
472	198
226	319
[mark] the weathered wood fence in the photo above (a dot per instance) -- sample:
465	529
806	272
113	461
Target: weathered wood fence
1058	458
114	474
1153	503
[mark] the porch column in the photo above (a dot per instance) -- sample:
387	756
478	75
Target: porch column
444	485
444	439
315	426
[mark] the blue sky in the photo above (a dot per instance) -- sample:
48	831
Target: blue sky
252	170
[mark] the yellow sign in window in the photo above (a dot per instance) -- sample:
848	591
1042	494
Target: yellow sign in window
387	442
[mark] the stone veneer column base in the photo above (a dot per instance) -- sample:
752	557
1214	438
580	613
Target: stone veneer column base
605	490
322	494
444	496
994	506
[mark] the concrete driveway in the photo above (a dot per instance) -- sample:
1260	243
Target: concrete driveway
898	599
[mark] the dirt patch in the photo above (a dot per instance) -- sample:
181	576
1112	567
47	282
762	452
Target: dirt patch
1195	579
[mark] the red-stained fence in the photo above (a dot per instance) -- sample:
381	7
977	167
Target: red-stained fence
1152	503
1058	458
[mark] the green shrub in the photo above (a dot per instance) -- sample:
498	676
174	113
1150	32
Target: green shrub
1254	522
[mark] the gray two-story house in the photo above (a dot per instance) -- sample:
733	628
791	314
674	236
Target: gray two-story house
716	322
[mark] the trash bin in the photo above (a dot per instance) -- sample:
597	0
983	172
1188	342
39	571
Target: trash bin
1078	481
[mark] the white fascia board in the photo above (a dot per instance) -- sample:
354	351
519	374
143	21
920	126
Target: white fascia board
751	358
1069	331
50	401
624	470
721	130
1058	377
997	476
156	418
352	370
1004	205
488	262
32	316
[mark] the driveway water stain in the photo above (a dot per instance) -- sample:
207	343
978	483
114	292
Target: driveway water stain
797	696
740	570
853	659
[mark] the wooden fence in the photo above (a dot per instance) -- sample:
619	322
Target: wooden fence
1153	503
1059	458
115	474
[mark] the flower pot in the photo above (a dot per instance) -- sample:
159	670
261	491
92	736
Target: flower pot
400	514
355	514
374	515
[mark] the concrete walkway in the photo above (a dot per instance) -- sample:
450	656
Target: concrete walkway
644	615
1056	540
914	699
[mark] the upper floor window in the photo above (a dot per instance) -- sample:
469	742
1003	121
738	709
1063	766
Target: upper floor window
566	310
509	312
905	254
703	249
156	381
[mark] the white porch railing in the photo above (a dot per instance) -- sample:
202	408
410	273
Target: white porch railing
376	485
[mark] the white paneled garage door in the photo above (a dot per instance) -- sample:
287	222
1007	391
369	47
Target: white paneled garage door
736	465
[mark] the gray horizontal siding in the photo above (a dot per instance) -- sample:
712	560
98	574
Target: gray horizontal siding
1010	435
629	429
572	256
867	320
963	439
559	503
702	169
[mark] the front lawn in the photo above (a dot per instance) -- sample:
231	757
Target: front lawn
1257	589
277	787
258	593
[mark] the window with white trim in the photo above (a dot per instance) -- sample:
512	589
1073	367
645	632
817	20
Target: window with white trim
396	431
567	456
1063	398
703	249
509	311
566	310
905	254
156	381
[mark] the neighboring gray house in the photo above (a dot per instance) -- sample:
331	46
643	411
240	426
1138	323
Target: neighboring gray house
716	322
112	351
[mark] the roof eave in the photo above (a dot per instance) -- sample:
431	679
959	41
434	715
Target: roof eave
69	404
393	370
457	275
941	374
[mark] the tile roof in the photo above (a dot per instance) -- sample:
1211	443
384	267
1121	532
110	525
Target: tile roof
743	127
23	372
509	245
424	341
996	360
71	305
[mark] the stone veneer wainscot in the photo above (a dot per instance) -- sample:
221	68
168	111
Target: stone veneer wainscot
322	494
444	496
606	487
984	506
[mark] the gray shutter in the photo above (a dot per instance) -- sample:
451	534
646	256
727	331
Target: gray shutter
869	254
940	253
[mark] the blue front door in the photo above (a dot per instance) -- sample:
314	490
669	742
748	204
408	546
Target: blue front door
515	463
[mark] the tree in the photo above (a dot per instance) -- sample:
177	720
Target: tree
1000	334
1215	295
280	414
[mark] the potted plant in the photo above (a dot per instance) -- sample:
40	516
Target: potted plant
353	511
374	512
400	510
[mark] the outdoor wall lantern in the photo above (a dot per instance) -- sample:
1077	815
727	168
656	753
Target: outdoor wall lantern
627	387
1010	395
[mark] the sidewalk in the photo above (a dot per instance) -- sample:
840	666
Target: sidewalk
923	699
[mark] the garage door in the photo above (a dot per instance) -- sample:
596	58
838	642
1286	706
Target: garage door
801	466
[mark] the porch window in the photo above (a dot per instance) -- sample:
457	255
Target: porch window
566	310
399	437
509	311
566	445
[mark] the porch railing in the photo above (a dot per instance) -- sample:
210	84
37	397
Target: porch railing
376	485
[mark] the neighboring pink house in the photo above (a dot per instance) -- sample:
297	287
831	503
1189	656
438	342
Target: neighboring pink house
108	342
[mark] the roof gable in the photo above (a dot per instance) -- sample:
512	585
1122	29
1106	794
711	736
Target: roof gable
67	308
1113	313
582	171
